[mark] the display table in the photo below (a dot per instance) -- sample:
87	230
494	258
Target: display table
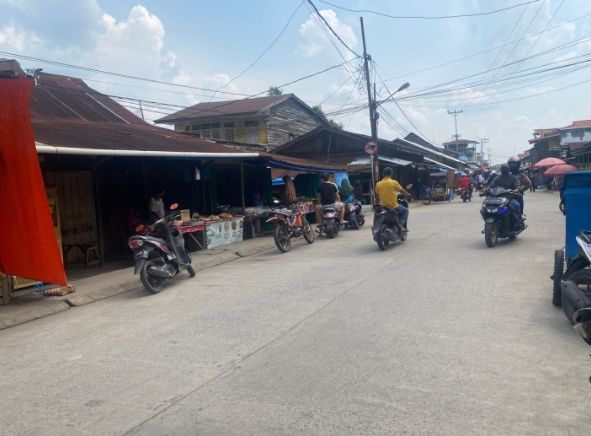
256	214
194	227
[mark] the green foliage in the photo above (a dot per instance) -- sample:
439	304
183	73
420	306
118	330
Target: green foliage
320	112
274	90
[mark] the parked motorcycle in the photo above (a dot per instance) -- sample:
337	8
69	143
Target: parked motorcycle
498	222
290	224
580	262
387	226
160	252
353	215
330	221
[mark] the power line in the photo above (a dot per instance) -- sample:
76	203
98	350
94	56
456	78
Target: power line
111	73
267	48
434	67
423	17
333	31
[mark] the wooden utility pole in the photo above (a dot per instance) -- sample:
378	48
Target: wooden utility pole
455	113
375	172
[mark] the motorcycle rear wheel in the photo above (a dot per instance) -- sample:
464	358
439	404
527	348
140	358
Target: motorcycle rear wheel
582	278
353	222
490	235
360	220
282	239
152	283
557	278
308	232
381	239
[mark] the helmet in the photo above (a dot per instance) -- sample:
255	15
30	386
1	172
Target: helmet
514	164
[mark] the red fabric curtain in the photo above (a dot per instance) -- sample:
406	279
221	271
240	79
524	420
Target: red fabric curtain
28	245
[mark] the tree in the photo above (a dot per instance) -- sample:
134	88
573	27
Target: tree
274	90
321	114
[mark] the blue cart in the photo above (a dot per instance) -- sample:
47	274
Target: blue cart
575	198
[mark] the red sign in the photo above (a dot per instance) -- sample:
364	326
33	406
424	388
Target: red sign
371	147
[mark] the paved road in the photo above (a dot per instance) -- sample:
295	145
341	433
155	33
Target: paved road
437	335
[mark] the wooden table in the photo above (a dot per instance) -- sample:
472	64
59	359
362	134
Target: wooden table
189	229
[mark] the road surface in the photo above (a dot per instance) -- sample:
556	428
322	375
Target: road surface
438	335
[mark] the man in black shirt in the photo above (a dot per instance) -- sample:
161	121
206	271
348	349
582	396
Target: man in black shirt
509	181
328	196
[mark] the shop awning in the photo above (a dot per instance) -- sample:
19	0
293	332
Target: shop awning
439	164
392	160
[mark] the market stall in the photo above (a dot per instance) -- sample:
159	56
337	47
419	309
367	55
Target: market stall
212	231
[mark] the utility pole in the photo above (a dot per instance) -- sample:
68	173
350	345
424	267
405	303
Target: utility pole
141	110
375	172
482	142
455	113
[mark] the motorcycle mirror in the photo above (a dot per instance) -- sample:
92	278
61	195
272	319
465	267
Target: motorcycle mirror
174	206
139	228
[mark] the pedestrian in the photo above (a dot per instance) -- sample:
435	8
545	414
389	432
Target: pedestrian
288	196
156	206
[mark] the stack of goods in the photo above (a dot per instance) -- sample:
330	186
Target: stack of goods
221	216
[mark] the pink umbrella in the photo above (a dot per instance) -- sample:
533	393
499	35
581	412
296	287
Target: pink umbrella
559	170
548	162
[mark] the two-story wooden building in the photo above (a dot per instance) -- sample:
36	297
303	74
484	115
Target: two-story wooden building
266	121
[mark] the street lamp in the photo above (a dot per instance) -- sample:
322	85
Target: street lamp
375	165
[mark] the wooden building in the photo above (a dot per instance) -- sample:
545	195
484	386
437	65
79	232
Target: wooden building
265	121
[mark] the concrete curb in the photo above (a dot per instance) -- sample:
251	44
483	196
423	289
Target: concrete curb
45	308
31	311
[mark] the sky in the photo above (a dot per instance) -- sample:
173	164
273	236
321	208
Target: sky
508	72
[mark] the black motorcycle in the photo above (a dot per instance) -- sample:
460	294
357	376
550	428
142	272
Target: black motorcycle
576	269
160	252
387	226
497	216
466	194
353	215
330	221
576	281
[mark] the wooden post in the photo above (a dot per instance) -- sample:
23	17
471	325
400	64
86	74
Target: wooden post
6	288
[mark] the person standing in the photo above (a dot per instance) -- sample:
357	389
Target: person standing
387	191
157	206
288	195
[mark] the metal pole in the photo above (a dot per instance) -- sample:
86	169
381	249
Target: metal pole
141	110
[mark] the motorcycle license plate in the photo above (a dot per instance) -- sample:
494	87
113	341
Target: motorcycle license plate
141	254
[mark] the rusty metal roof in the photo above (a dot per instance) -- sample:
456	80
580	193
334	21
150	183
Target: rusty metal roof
225	108
66	112
582	124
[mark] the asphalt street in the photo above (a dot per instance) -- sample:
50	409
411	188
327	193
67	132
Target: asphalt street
438	335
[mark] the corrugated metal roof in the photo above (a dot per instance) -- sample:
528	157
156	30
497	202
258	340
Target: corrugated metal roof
582	124
223	108
77	134
460	142
68	98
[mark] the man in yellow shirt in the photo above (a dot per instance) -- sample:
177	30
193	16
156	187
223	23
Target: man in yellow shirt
387	191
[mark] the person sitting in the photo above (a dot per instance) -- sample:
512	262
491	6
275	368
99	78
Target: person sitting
507	180
328	196
387	191
515	166
358	191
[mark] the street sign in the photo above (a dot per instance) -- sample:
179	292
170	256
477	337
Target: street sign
371	147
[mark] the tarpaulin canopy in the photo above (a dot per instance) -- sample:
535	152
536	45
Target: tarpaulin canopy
28	242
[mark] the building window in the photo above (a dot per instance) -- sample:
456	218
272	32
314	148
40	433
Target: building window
196	130
215	131
206	131
229	132
187	128
251	130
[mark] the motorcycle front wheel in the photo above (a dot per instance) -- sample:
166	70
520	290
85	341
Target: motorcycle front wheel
382	239
490	235
190	268
282	239
152	283
308	232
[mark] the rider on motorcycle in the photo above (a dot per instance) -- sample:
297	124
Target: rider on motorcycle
387	191
509	181
515	165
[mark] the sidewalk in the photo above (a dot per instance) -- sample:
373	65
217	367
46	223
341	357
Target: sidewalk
100	286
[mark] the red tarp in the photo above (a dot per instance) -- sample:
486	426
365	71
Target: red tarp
28	245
